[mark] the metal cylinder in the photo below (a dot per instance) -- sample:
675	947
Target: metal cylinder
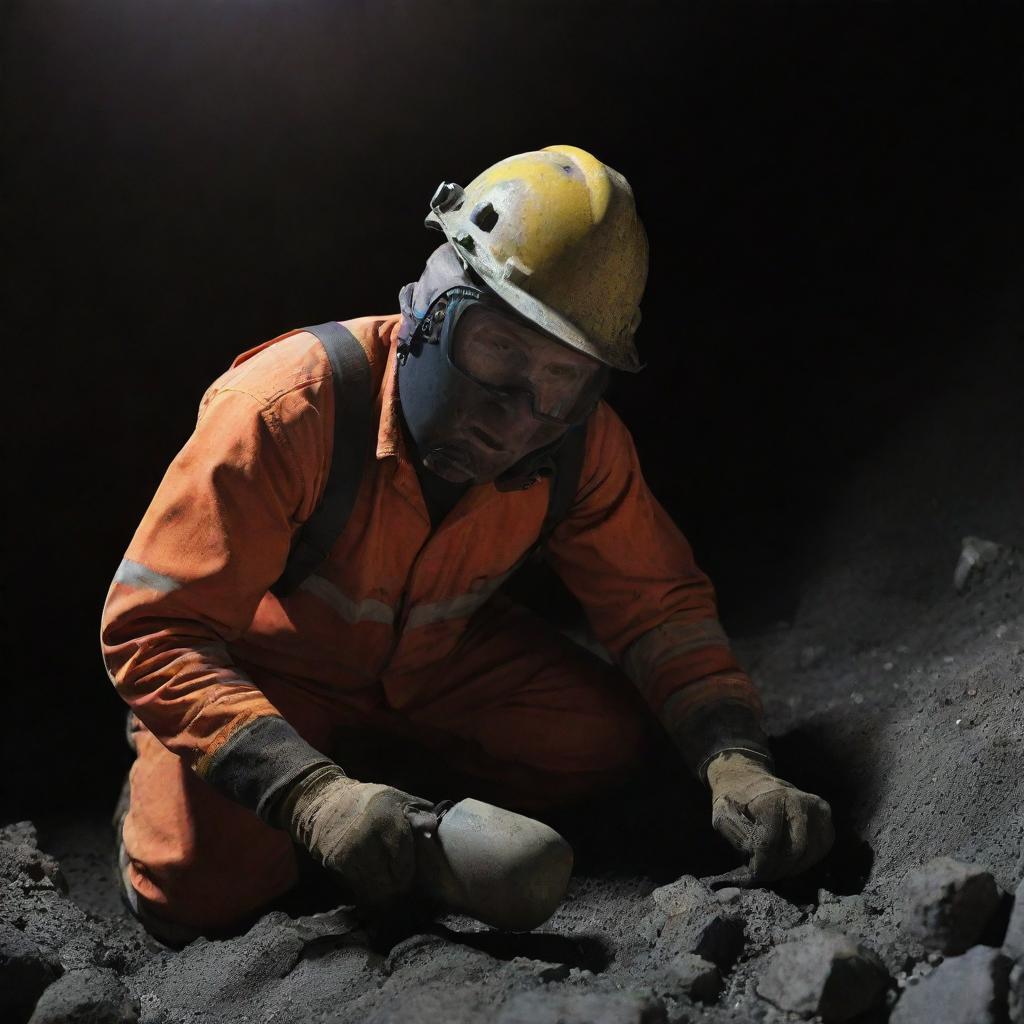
502	868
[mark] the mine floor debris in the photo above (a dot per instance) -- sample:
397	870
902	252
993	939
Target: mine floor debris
907	719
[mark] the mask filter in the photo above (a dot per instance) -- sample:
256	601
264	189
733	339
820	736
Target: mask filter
431	391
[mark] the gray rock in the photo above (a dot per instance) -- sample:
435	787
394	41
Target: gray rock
841	911
968	989
975	555
1013	944
687	977
825	973
768	917
22	862
946	904
582	1008
682	896
416	949
1016	1001
94	996
20	832
711	934
547	973
25	972
690	919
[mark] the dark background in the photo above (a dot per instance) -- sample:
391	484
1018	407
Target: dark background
833	195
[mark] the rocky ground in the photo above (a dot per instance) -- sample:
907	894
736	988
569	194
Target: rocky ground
895	693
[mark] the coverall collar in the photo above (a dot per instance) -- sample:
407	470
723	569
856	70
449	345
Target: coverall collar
390	440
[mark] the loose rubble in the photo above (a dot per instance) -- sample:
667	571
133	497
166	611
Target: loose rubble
25	972
1016	1000
905	714
675	950
687	977
92	996
947	905
689	919
967	989
1013	944
825	973
616	1008
976	553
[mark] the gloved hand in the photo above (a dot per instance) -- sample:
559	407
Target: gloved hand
783	829
361	831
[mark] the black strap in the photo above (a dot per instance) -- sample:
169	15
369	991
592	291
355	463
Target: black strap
565	482
352	415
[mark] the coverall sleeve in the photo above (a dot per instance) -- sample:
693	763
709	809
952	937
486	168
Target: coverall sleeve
650	605
214	539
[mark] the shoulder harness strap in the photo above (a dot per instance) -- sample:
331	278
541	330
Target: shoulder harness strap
352	414
568	460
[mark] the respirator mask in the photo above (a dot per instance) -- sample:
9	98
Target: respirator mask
447	376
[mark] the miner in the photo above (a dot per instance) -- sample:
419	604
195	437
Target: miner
322	565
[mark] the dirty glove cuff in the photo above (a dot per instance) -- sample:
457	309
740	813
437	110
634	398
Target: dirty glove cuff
363	832
259	763
727	725
290	811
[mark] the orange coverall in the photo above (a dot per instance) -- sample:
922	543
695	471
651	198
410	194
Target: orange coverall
394	634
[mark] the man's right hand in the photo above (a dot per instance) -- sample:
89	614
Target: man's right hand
361	831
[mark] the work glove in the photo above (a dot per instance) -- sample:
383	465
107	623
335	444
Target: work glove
363	832
781	828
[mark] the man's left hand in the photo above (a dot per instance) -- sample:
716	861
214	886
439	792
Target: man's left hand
783	829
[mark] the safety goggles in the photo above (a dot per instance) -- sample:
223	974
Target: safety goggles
559	393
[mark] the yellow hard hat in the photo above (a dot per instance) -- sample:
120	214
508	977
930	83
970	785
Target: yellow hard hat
554	233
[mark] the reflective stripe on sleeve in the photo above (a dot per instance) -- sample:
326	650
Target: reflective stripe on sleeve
655	648
141	577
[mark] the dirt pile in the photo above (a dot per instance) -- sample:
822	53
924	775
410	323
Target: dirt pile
46	938
616	952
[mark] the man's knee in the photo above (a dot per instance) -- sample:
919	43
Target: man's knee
604	749
548	756
617	737
209	891
192	857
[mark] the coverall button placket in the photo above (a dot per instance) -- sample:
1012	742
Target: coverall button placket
421	583
409	598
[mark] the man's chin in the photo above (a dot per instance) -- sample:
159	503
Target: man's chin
460	464
453	464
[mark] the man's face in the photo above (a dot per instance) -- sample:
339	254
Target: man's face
484	434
